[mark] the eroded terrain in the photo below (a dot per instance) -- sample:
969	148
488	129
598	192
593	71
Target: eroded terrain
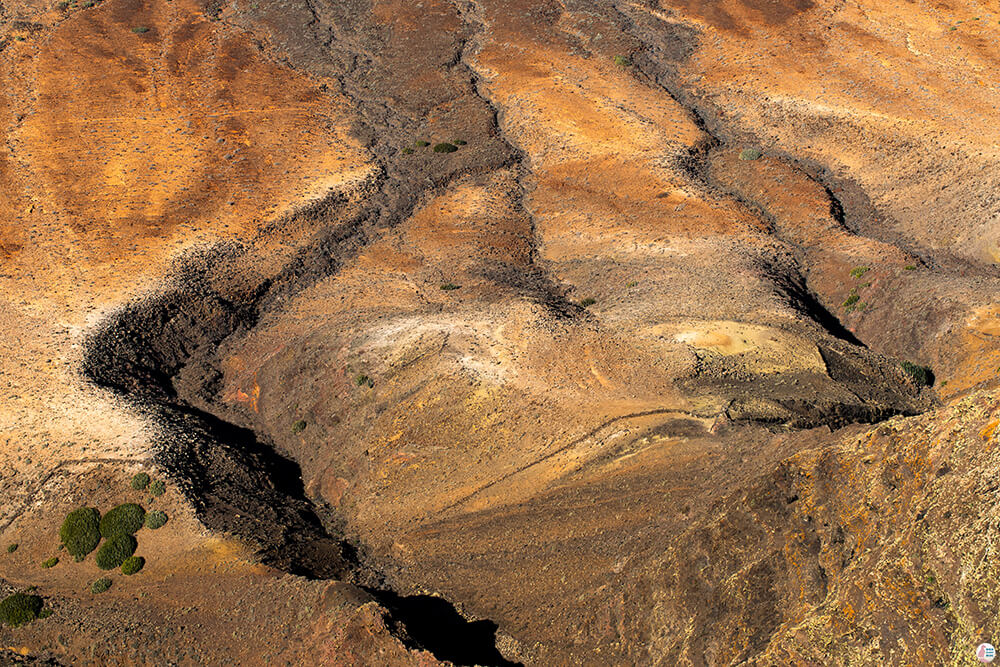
504	332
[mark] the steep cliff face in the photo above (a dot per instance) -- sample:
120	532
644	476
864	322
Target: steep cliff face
539	332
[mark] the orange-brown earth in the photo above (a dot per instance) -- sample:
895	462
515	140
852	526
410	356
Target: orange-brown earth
593	388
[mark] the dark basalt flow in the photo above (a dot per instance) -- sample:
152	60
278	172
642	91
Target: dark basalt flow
242	486
237	482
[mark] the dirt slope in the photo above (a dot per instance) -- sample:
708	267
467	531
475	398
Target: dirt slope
504	332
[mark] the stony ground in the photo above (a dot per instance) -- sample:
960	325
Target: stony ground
616	378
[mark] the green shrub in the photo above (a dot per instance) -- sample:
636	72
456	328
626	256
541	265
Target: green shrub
51	562
11	548
407	151
859	271
364	381
910	267
850	303
447	287
750	154
622	61
140	29
19	609
157	487
445	148
922	375
100	585
299	426
156	519
459	142
114	551
125	519
80	532
140	481
45	613
589	301
133	564
422	144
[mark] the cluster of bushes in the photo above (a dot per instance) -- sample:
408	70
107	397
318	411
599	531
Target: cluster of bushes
859	271
853	301
85	530
443	147
142	482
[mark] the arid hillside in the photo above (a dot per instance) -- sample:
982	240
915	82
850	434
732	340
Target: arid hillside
499	332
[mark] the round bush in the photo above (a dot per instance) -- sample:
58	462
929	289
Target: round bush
100	585
114	551
80	532
750	154
133	564
51	562
123	520
11	548
140	481
445	148
157	487
922	375
19	609
155	519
